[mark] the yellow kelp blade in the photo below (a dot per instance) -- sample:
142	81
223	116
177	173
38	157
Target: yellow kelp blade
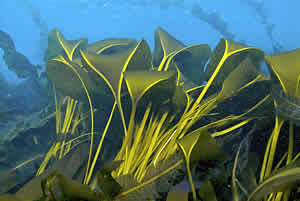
60	72
283	180
243	74
70	189
54	48
259	106
108	67
207	191
140	58
139	82
180	99
204	148
191	61
285	69
111	68
227	56
180	78
68	46
198	146
165	45
117	44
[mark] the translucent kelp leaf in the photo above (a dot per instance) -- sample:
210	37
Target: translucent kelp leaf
226	57
180	99
285	70
57	45
62	73
69	46
207	192
108	67
165	45
140	82
239	77
140	58
191	61
199	146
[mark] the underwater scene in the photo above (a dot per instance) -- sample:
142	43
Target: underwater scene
149	100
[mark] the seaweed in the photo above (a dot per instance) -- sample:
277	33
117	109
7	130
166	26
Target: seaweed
170	122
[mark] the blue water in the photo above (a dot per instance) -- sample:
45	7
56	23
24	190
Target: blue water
99	19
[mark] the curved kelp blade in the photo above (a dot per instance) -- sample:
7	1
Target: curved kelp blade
260	106
111	67
140	82
226	57
207	191
285	70
180	99
191	61
240	77
61	72
283	180
68	188
165	45
108	67
140	58
112	45
68	46
54	48
199	146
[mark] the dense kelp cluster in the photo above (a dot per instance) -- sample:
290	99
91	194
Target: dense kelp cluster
172	105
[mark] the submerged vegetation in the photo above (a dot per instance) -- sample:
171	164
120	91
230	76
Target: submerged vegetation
172	110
